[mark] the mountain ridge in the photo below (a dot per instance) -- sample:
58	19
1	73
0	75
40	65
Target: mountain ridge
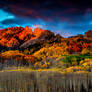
42	48
22	38
16	37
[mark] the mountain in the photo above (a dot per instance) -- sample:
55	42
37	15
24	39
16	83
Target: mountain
40	36
42	48
23	37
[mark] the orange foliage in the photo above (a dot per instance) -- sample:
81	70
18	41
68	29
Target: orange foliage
12	43
9	35
27	31
37	31
78	44
16	55
3	41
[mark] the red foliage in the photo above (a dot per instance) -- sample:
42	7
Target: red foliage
75	47
85	45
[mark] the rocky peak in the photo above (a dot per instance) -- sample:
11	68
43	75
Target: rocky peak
37	32
39	36
16	36
26	34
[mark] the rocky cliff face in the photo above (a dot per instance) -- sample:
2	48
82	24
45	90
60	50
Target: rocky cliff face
22	38
18	36
39	36
8	36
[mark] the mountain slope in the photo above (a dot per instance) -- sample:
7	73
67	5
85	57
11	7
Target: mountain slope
43	49
23	38
16	36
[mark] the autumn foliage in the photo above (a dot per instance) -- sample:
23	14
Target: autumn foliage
43	49
17	56
16	36
78	44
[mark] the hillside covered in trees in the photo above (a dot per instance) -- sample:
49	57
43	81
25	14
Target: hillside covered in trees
42	49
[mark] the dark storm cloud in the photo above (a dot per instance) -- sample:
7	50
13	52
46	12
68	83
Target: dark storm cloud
47	9
9	21
70	16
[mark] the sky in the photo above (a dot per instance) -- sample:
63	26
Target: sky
66	17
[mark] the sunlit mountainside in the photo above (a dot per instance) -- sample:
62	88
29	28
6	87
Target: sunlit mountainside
43	49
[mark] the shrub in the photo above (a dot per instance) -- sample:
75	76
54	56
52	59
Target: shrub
73	69
76	58
85	51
